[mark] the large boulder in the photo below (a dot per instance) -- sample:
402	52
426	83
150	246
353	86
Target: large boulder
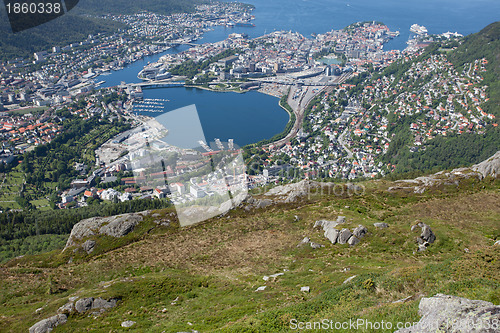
353	240
451	314
360	231
325	224
427	234
490	167
291	192
114	226
48	324
100	303
344	236
332	235
84	304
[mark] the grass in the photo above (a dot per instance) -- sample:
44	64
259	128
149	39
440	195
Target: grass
213	269
28	110
10	185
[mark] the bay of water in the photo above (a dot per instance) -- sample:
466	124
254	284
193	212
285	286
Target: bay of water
320	16
251	117
246	118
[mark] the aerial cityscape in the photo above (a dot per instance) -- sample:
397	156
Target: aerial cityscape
178	127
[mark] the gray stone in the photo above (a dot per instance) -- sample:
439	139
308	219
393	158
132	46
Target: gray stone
292	192
353	240
120	225
88	246
316	245
344	236
67	308
263	203
48	324
332	235
326	224
319	224
490	167
100	303
128	323
427	234
303	242
451	314
83	304
380	225
360	231
115	226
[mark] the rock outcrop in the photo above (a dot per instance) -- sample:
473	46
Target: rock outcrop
257	203
489	167
343	236
74	305
313	245
114	226
291	192
360	231
451	314
426	237
88	303
48	324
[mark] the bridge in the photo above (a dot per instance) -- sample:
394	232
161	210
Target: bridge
158	84
174	43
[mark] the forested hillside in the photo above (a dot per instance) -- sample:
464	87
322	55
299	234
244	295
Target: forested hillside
62	31
99	7
76	25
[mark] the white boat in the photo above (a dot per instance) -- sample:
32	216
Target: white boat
418	29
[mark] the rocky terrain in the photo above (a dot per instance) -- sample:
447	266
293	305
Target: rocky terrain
446	313
299	251
489	167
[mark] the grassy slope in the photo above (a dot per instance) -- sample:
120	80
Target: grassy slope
215	267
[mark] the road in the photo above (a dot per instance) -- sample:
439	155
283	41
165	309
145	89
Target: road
343	144
299	108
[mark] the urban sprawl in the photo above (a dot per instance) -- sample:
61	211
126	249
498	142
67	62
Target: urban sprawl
340	129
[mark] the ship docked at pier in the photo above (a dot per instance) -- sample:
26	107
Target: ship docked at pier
418	29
